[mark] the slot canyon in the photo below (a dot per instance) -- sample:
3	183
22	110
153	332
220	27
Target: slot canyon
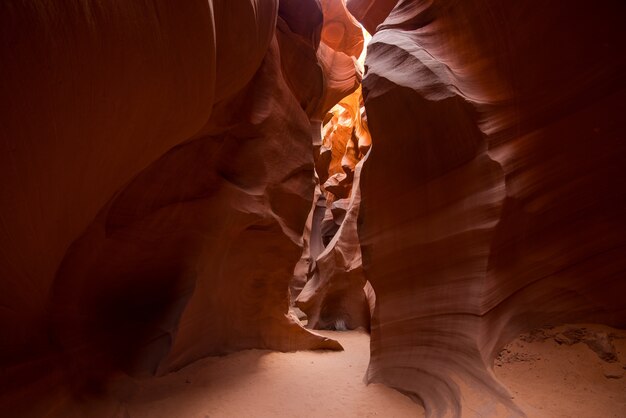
312	208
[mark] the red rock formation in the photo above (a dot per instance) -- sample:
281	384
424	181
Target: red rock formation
341	31
334	297
329	282
339	49
298	30
493	199
157	165
320	56
84	110
157	175
370	13
341	298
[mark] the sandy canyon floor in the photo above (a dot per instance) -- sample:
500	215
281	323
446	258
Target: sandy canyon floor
260	383
551	373
567	372
564	372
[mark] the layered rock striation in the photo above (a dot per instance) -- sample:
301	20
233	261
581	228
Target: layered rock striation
333	294
159	165
157	172
328	283
492	202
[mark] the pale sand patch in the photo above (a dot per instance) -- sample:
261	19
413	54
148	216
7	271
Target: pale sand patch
546	379
260	383
567	380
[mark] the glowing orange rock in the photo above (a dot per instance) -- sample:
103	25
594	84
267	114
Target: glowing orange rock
334	296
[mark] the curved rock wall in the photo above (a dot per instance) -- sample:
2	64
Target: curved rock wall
334	297
157	172
332	291
157	169
328	280
89	100
493	199
370	13
340	47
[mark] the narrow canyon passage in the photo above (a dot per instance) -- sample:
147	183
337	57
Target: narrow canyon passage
197	196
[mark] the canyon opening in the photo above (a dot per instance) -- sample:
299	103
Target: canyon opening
312	208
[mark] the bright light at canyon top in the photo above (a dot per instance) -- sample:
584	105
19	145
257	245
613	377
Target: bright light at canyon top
361	63
366	40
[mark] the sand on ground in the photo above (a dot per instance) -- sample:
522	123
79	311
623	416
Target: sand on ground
261	383
548	377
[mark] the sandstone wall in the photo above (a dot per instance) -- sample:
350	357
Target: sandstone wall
493	199
156	176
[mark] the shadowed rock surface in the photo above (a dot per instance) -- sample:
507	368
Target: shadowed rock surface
163	167
492	202
333	294
153	203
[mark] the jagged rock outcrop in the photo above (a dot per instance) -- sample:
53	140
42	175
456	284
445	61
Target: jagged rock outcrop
156	177
493	200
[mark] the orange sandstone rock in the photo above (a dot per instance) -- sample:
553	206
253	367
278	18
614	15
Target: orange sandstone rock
334	296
